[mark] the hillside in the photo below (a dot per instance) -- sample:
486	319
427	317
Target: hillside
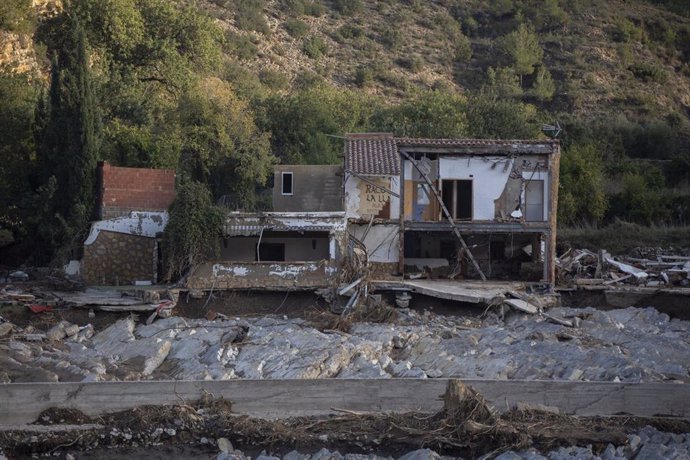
605	56
223	89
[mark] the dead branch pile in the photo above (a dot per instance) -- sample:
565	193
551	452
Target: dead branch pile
466	426
585	269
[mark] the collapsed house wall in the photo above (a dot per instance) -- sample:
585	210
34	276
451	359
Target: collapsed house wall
382	245
119	258
124	249
367	196
310	246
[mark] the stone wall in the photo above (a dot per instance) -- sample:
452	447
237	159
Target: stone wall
119	258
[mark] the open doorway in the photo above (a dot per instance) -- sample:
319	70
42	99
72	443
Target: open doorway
457	196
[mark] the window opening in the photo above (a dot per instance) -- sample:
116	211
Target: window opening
287	183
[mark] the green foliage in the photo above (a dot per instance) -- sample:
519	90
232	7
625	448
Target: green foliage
544	87
70	144
522	49
302	124
426	114
638	202
581	198
624	30
392	37
18	95
310	7
348	32
249	15
648	72
193	231
364	76
274	79
296	28
220	143
503	83
491	117
16	16
414	63
242	46
314	47
348	7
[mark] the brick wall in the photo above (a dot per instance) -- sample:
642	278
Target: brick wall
123	190
119	258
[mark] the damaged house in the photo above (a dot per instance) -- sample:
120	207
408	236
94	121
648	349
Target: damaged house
453	208
299	246
132	211
432	208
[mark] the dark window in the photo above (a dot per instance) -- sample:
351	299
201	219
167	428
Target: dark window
271	252
287	183
457	196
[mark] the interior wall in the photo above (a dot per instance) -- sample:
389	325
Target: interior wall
354	196
382	241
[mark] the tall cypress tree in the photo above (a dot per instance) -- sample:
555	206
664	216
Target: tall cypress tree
68	149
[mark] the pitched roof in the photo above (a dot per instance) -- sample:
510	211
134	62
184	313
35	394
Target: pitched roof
372	154
377	154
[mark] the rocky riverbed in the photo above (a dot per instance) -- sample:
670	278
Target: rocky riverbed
627	345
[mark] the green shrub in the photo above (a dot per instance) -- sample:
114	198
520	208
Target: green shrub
624	30
348	32
314	47
249	15
364	76
296	28
241	45
648	72
414	63
392	37
348	7
310	7
274	79
194	230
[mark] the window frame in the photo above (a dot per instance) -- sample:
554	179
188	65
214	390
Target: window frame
282	183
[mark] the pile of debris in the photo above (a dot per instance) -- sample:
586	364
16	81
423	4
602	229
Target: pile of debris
39	300
583	268
626	345
465	427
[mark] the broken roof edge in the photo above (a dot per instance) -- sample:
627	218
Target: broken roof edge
289	214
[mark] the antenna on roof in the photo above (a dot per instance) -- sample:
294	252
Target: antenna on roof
552	130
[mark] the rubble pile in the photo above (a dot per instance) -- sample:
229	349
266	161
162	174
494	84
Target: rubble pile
628	345
645	267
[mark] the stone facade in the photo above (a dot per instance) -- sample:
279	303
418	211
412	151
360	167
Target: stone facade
120	258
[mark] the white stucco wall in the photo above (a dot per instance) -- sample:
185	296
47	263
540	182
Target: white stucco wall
381	241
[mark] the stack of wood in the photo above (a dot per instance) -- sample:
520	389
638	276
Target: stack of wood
584	268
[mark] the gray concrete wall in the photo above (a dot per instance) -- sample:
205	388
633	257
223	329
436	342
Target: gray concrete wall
23	402
316	188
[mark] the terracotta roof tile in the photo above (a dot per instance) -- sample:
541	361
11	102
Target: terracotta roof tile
372	154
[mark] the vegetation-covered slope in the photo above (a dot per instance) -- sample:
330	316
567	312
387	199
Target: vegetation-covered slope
222	89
